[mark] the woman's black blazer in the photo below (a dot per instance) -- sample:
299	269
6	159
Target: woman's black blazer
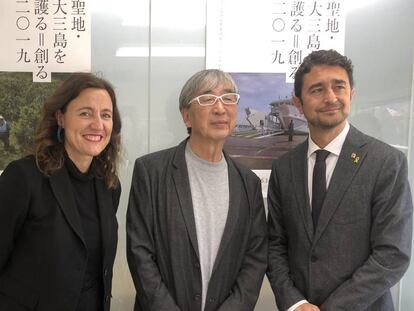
42	248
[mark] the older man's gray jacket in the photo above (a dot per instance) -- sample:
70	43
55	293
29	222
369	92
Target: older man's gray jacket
362	244
162	248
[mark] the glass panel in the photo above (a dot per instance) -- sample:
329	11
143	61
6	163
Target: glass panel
120	45
379	40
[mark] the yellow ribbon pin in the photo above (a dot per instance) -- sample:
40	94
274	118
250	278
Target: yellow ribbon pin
354	157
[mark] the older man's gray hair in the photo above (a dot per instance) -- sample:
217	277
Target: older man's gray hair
203	81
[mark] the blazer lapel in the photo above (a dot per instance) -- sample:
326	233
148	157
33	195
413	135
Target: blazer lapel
107	218
61	187
235	188
343	174
182	186
299	168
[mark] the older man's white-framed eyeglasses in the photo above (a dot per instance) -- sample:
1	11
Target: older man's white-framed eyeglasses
210	99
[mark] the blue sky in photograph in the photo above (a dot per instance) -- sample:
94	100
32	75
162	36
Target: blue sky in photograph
258	90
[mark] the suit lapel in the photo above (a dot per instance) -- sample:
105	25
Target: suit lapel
235	189
62	189
182	186
299	168
343	174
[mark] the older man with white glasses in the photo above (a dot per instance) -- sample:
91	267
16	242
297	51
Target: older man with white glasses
196	228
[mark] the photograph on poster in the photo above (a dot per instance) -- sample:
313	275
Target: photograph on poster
21	101
268	124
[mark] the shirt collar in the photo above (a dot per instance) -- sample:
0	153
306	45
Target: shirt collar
335	146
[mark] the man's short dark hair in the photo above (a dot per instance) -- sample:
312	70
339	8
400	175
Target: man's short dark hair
322	57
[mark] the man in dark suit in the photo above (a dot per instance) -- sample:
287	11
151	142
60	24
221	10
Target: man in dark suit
196	227
340	228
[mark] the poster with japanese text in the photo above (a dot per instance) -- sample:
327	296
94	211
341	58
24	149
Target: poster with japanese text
45	36
39	38
271	35
261	44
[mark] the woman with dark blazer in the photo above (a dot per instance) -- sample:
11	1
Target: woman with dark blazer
58	229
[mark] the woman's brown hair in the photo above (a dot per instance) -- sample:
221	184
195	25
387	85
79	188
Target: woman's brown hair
49	152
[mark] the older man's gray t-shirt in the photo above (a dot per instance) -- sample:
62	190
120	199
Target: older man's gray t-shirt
209	184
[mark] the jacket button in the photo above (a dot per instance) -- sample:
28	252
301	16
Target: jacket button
106	298
197	297
197	265
314	258
105	273
211	300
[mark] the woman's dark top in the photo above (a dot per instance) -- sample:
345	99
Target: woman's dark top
92	292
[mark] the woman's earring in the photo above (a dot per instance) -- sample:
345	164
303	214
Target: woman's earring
60	134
